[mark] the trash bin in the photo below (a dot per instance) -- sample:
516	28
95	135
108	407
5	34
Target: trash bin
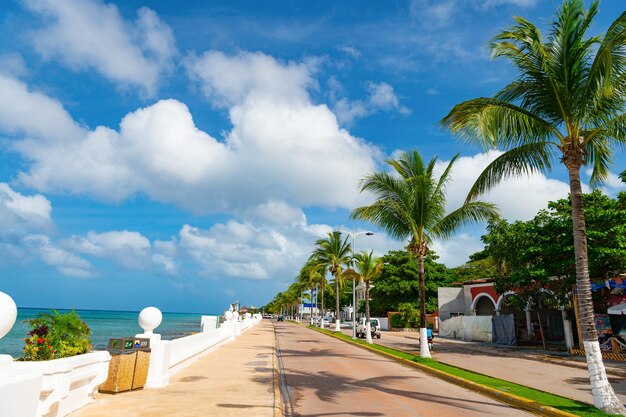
128	369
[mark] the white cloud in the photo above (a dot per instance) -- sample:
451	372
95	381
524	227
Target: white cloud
12	64
21	215
65	262
233	80
129	249
612	185
34	114
350	51
90	34
281	147
517	198
456	250
433	14
381	97
251	250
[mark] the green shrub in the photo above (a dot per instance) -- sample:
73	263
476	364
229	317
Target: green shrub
396	320
410	314
56	335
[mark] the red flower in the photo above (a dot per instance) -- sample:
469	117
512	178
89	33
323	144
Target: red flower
40	340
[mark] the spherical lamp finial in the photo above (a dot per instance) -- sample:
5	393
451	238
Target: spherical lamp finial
8	314
149	319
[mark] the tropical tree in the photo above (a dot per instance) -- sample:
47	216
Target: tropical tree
367	269
567	102
334	253
312	275
412	205
392	288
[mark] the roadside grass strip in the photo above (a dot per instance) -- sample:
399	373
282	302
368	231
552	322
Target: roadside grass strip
520	396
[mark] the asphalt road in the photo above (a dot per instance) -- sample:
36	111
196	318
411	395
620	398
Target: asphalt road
328	377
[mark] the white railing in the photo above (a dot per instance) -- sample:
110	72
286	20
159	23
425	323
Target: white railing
57	387
169	357
67	384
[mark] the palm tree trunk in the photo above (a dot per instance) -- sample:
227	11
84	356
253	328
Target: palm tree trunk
322	317
337	322
368	326
604	397
424	351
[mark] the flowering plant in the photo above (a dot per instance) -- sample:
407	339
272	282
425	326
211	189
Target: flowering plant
56	335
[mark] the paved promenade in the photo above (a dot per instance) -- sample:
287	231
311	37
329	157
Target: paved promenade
234	380
328	377
567	378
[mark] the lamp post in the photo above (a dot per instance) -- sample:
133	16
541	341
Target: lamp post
354	235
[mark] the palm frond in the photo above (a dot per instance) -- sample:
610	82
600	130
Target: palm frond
469	213
496	123
523	160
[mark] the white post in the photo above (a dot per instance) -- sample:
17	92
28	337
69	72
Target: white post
158	371
567	328
529	324
19	390
237	323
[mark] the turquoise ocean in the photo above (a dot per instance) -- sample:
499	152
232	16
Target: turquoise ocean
104	325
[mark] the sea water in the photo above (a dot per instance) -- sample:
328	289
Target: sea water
103	325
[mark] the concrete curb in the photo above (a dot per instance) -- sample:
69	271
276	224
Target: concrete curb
282	401
279	404
496	394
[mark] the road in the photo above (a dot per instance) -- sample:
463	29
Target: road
328	377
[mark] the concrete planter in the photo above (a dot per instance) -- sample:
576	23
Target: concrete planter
67	384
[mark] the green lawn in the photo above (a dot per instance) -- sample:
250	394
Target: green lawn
543	398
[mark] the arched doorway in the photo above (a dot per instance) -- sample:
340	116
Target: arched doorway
512	303
484	306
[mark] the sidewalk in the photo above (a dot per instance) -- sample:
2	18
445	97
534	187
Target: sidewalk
566	377
234	380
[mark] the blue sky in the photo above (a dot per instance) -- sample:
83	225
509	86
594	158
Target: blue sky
188	154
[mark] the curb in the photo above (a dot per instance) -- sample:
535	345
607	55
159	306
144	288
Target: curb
496	394
282	403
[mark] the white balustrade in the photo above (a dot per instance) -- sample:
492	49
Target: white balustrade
57	387
51	388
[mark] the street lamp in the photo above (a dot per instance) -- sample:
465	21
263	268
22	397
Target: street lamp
354	235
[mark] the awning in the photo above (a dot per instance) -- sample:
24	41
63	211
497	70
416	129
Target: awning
619	309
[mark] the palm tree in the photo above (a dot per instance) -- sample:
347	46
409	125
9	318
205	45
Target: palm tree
567	102
311	275
333	252
368	268
412	205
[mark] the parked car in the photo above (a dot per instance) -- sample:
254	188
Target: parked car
361	329
280	318
325	321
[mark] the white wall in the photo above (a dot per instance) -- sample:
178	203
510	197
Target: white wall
450	300
384	322
67	384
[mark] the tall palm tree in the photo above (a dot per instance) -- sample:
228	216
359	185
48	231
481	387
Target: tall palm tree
412	205
567	102
367	269
334	253
312	275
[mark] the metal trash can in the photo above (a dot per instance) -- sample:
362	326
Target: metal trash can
128	369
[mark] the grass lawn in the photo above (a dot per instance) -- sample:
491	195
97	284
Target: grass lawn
541	397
